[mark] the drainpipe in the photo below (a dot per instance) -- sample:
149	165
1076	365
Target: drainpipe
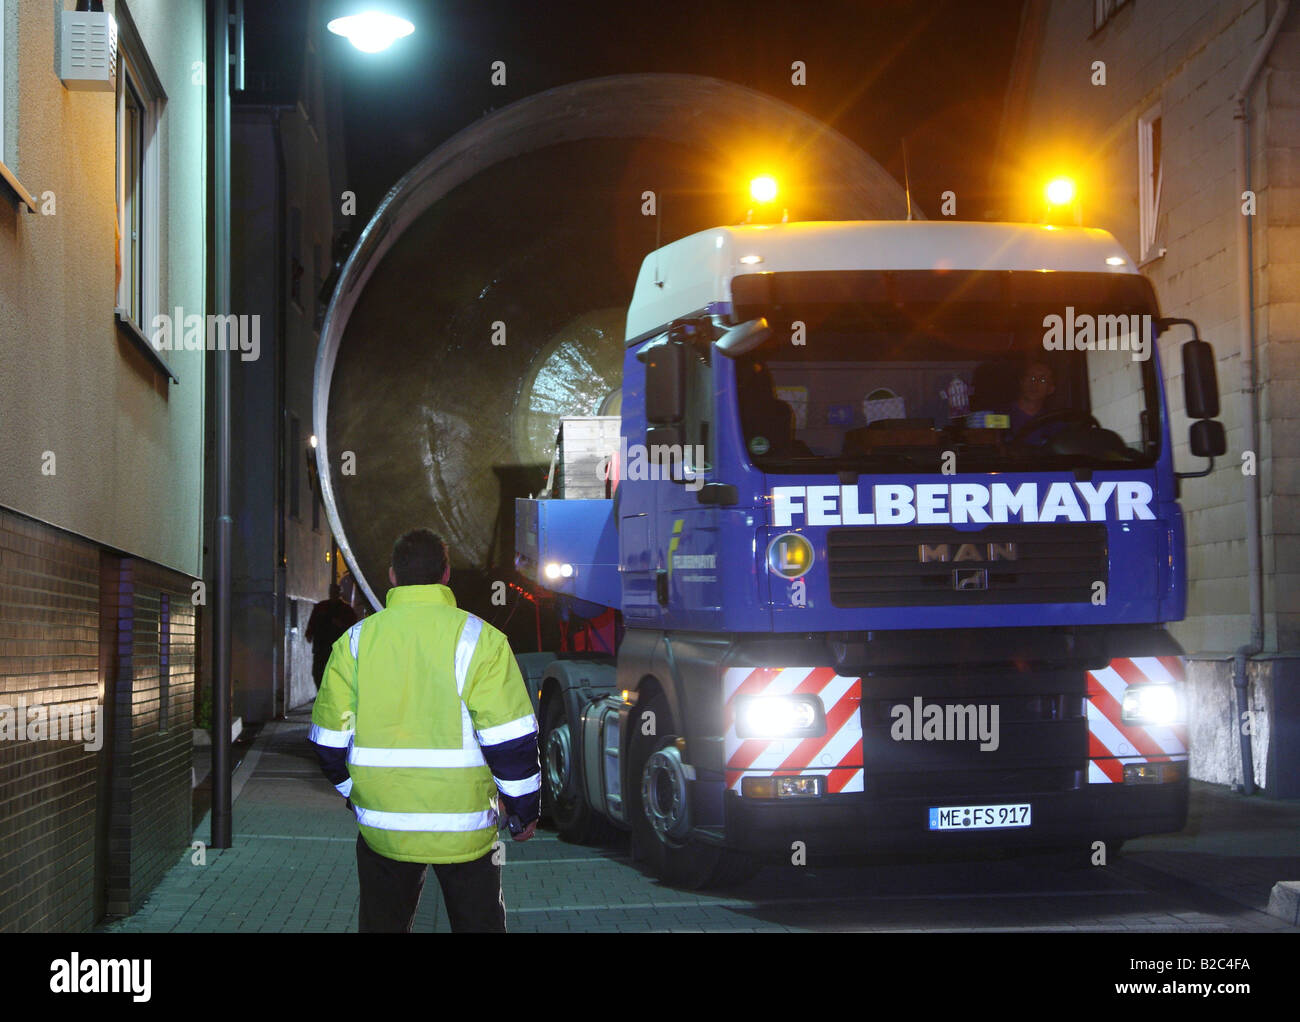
1246	316
221	794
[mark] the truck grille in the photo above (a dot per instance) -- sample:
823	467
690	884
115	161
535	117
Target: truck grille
927	566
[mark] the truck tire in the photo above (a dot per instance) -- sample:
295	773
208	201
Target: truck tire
660	814
564	795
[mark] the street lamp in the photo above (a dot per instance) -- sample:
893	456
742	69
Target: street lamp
371	31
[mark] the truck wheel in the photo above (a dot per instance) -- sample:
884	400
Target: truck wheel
660	813
563	792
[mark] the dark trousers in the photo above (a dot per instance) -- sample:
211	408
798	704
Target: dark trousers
390	893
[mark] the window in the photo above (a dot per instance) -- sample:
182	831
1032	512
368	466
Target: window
1103	10
137	192
164	659
698	455
1150	162
901	369
295	462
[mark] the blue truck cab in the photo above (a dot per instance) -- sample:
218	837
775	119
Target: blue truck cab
891	539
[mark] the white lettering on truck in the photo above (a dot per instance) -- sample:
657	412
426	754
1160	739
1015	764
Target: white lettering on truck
961	503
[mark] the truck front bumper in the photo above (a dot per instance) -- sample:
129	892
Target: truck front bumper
851	824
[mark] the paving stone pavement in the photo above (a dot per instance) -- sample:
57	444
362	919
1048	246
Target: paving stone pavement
292	868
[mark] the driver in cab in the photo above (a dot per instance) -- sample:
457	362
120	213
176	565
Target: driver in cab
1037	384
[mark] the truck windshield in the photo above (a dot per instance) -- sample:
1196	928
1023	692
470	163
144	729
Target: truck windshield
945	371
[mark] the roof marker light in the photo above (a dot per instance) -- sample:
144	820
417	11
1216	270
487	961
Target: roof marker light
1060	191
763	188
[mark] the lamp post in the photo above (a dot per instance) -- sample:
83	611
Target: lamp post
369	32
223	19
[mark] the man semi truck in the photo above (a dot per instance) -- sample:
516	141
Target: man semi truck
886	549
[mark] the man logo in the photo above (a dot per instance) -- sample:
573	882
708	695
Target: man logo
967	579
943	552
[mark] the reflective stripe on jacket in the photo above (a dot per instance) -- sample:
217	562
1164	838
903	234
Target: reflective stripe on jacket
429	702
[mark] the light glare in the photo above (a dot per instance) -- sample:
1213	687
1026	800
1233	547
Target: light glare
1060	191
763	188
774	716
371	31
1151	704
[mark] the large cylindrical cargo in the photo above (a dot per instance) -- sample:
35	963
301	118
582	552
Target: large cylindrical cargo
488	294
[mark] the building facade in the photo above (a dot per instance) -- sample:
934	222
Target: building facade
1141	101
286	209
102	232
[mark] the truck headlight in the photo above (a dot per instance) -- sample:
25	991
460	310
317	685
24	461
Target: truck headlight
780	717
1157	704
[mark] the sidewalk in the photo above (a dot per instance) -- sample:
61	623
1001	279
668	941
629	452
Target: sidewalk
1236	845
292	867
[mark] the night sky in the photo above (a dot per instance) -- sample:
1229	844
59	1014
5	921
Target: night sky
931	72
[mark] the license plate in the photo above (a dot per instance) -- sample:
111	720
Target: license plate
979	817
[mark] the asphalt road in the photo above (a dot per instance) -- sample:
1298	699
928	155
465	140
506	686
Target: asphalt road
292	868
551	885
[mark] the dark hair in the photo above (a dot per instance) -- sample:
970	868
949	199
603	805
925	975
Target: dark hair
335	591
419	558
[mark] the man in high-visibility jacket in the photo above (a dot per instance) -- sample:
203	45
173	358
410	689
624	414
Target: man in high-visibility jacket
424	725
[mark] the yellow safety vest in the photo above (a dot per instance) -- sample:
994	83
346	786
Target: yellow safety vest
411	692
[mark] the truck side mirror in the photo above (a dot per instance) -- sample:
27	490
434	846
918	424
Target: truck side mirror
744	338
1208	439
1200	380
665	384
1201	395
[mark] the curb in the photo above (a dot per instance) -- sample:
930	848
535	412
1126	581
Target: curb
249	764
1284	901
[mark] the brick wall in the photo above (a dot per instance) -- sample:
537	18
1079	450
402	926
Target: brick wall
84	831
1188	56
1276	178
49	655
153	718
